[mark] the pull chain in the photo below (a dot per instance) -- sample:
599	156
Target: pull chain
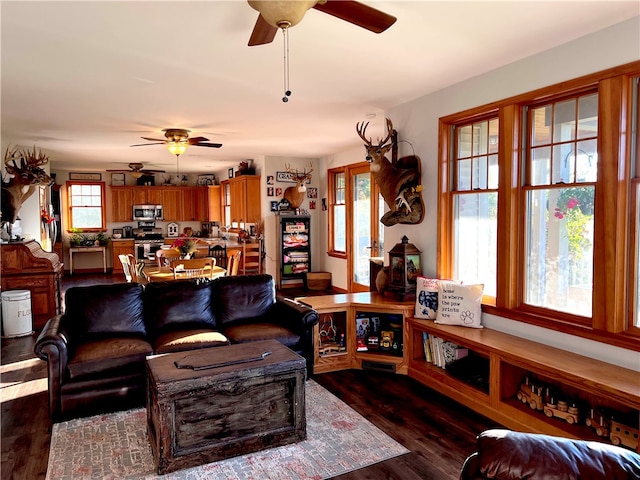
287	92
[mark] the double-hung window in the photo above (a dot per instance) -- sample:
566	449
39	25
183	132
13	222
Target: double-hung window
561	169
337	212
86	205
540	201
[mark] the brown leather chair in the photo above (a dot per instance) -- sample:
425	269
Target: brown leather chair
507	455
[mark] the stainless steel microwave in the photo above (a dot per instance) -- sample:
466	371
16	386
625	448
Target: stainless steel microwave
147	212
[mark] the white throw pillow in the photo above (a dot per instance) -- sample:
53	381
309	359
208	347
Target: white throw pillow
459	304
426	297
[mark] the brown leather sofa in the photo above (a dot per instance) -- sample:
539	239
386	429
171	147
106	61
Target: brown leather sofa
96	350
507	455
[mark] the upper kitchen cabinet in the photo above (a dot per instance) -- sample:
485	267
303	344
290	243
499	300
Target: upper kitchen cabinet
194	204
245	199
171	200
214	203
121	204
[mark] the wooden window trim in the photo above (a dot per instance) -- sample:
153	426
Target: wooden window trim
331	176
613	227
103	207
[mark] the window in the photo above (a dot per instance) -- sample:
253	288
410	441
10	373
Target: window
226	203
540	201
634	286
86	202
337	213
561	173
475	203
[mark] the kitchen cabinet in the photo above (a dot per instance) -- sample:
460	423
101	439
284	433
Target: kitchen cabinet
214	203
120	247
245	199
121	204
171	200
194	204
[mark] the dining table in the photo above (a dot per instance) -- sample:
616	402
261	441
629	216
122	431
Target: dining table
164	274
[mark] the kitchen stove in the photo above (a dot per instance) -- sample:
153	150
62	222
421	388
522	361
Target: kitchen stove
148	239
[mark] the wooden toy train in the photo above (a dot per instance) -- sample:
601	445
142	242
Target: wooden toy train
621	429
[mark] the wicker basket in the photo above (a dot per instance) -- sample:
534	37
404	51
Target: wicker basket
318	280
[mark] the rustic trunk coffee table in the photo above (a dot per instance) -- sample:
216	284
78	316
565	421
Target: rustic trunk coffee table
215	403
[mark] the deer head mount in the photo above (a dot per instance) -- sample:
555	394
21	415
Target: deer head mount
398	181
295	195
21	180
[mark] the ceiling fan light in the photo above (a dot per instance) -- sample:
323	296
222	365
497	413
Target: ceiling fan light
137	174
277	12
177	148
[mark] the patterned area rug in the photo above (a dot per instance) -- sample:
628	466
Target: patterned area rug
116	446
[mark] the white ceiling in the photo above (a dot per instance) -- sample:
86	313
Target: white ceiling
84	80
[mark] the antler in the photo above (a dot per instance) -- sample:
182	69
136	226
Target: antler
297	175
361	128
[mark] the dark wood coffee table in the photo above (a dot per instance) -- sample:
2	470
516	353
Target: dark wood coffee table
210	404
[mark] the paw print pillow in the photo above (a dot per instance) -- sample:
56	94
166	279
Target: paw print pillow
459	304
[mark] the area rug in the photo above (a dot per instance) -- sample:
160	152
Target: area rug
116	446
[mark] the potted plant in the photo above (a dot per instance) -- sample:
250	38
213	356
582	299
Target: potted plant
103	239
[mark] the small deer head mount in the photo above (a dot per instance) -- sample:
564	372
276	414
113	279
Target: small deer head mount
295	195
21	180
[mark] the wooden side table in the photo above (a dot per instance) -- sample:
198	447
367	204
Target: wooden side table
98	248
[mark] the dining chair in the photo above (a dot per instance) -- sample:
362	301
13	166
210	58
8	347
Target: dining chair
132	269
251	258
219	252
127	267
193	267
233	262
164	257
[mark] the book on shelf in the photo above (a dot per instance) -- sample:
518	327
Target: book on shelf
426	346
441	352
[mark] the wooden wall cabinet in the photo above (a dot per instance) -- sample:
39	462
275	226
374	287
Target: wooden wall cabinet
120	247
122	204
245	199
214	203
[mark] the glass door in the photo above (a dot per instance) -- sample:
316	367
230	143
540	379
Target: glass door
366	236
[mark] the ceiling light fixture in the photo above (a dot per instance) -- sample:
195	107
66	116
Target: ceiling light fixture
177	148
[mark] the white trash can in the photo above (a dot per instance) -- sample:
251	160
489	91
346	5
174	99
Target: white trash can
16	313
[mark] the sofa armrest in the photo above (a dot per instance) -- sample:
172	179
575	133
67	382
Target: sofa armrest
295	315
507	455
52	345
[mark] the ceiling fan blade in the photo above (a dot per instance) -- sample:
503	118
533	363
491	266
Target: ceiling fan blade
196	140
145	144
151	172
155	139
117	170
262	33
358	13
212	145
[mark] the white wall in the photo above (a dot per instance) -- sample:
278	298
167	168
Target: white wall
417	122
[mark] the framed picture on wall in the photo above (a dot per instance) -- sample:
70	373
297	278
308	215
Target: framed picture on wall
230	172
117	179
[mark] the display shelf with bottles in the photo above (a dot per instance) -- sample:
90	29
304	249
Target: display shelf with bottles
531	386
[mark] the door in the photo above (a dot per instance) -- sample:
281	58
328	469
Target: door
365	231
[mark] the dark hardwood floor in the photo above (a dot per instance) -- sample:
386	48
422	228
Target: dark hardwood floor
439	432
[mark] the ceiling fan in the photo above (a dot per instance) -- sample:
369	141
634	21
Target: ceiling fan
286	13
136	170
177	141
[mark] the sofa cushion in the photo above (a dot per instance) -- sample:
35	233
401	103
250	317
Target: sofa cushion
106	355
177	305
178	341
255	331
106	309
242	297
